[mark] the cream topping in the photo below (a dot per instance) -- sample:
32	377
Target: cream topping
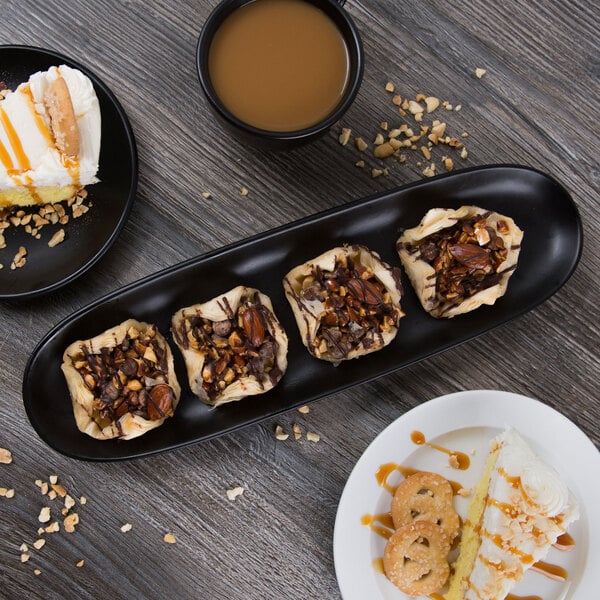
528	507
28	155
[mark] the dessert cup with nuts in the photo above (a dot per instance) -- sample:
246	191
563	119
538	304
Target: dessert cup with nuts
122	382
346	303
459	259
233	345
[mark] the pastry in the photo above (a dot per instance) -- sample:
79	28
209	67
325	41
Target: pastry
346	303
122	382
233	345
458	260
50	129
519	508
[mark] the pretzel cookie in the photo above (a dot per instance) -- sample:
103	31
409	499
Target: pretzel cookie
414	559
425	496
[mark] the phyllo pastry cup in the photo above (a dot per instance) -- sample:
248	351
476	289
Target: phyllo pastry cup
233	345
122	382
346	303
459	259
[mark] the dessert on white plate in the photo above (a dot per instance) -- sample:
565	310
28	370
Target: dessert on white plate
519	509
50	130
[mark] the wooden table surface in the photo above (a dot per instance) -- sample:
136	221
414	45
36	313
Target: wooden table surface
537	105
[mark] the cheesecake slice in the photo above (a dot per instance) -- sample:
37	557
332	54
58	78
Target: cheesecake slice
519	508
50	129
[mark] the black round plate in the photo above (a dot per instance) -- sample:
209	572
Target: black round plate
89	236
550	252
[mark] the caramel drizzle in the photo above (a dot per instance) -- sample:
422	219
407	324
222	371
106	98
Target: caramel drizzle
500	542
461	458
513	597
387	469
39	121
15	141
551	571
386	527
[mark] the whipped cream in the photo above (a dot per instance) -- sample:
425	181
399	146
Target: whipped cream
28	155
528	507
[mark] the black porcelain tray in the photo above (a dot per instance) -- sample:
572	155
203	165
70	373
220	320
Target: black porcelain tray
89	237
550	252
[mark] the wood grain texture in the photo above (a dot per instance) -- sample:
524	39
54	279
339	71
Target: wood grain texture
538	105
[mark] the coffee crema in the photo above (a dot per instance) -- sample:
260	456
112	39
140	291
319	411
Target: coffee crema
279	65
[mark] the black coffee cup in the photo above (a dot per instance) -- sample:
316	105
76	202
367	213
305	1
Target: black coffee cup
281	139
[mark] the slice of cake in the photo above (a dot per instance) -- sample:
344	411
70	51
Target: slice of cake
519	508
50	130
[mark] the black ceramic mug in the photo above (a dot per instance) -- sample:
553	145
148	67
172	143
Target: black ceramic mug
281	139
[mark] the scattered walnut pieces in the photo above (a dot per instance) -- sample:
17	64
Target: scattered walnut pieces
39	543
389	87
37	572
233	493
44	515
80	563
304	410
405	137
20	258
206	195
244	191
126	527
5	456
169	538
297	431
7	492
479	73
312	437
24	557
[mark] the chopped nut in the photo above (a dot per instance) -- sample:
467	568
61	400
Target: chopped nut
37	572
39	543
10	493
464	153
312	437
297	431
431	103
360	164
244	191
360	144
429	171
425	152
344	137
59	489
383	150
378	139
448	163
384	125
389	87
80	564
53	527
479	73
376	172
83	500
453	461
69	502
169	538
233	493
458	107
415	108
70	522
57	238
24	557
53	479
44	515
397	100
206	195
126	527
304	410
280	433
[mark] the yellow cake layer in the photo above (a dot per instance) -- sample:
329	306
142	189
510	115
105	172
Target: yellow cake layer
470	540
26	196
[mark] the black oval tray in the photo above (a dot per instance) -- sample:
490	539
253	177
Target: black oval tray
550	251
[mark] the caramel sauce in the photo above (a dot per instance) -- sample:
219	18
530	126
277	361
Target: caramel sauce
513	597
435	596
564	542
507	509
378	565
15	141
549	570
497	539
462	459
279	65
5	158
386	527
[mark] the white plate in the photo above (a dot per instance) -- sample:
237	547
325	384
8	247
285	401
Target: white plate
467	421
